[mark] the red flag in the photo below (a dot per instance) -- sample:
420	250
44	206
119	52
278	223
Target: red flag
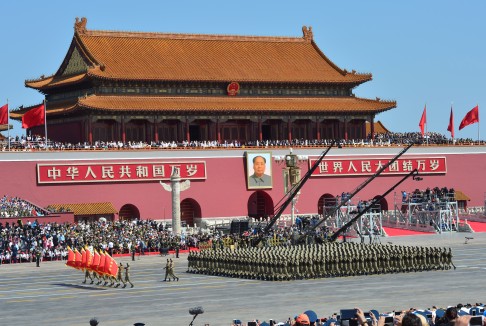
89	259
96	261
423	121
34	117
71	261
101	266
451	124
111	268
78	259
4	115
114	269
83	258
470	118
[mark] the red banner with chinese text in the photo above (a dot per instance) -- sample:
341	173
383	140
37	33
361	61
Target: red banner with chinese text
118	172
357	166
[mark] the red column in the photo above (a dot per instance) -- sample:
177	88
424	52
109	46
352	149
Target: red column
345	129
123	129
83	131
156	130
148	134
218	131
372	127
318	129
90	130
289	127
188	136
260	136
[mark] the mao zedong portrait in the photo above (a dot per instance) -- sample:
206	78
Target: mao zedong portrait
259	178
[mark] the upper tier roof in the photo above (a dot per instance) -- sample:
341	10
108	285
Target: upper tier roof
193	57
216	104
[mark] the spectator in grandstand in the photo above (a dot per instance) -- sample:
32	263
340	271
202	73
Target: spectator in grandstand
449	317
410	319
302	320
380	139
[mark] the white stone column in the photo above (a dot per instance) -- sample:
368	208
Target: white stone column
176	187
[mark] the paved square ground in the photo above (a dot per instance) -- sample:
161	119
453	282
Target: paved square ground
54	295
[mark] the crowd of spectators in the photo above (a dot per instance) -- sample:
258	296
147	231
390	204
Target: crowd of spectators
458	315
428	195
414	137
380	139
18	207
429	199
18	241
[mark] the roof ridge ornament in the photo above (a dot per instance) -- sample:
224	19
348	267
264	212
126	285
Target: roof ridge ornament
308	35
80	25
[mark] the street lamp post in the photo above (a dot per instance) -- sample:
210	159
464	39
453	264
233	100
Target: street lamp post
291	175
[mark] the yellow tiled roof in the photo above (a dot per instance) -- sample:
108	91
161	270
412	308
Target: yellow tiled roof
196	57
379	128
460	195
218	104
235	104
87	208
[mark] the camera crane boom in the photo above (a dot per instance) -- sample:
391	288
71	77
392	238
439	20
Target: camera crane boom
360	187
336	234
294	190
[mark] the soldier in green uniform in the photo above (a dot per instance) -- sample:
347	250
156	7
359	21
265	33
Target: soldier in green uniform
87	275
119	278
127	276
167	268
171	271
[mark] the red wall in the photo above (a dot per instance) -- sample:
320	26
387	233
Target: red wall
224	193
57	218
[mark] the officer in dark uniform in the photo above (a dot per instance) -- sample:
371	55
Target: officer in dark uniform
38	255
133	249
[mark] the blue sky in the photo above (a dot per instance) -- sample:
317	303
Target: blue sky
419	52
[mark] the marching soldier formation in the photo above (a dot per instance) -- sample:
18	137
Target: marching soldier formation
99	266
330	259
104	279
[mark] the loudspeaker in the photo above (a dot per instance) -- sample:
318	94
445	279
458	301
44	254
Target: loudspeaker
238	227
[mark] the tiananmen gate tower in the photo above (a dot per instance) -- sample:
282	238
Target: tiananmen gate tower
126	86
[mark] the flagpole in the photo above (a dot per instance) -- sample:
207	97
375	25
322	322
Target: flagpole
426	134
452	103
45	120
426	123
8	126
478	125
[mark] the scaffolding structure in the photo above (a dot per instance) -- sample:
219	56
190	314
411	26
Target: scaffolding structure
369	224
441	213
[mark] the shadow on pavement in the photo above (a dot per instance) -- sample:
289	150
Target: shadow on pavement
83	287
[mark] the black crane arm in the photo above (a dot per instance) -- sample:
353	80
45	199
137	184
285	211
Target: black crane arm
291	194
336	234
361	186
